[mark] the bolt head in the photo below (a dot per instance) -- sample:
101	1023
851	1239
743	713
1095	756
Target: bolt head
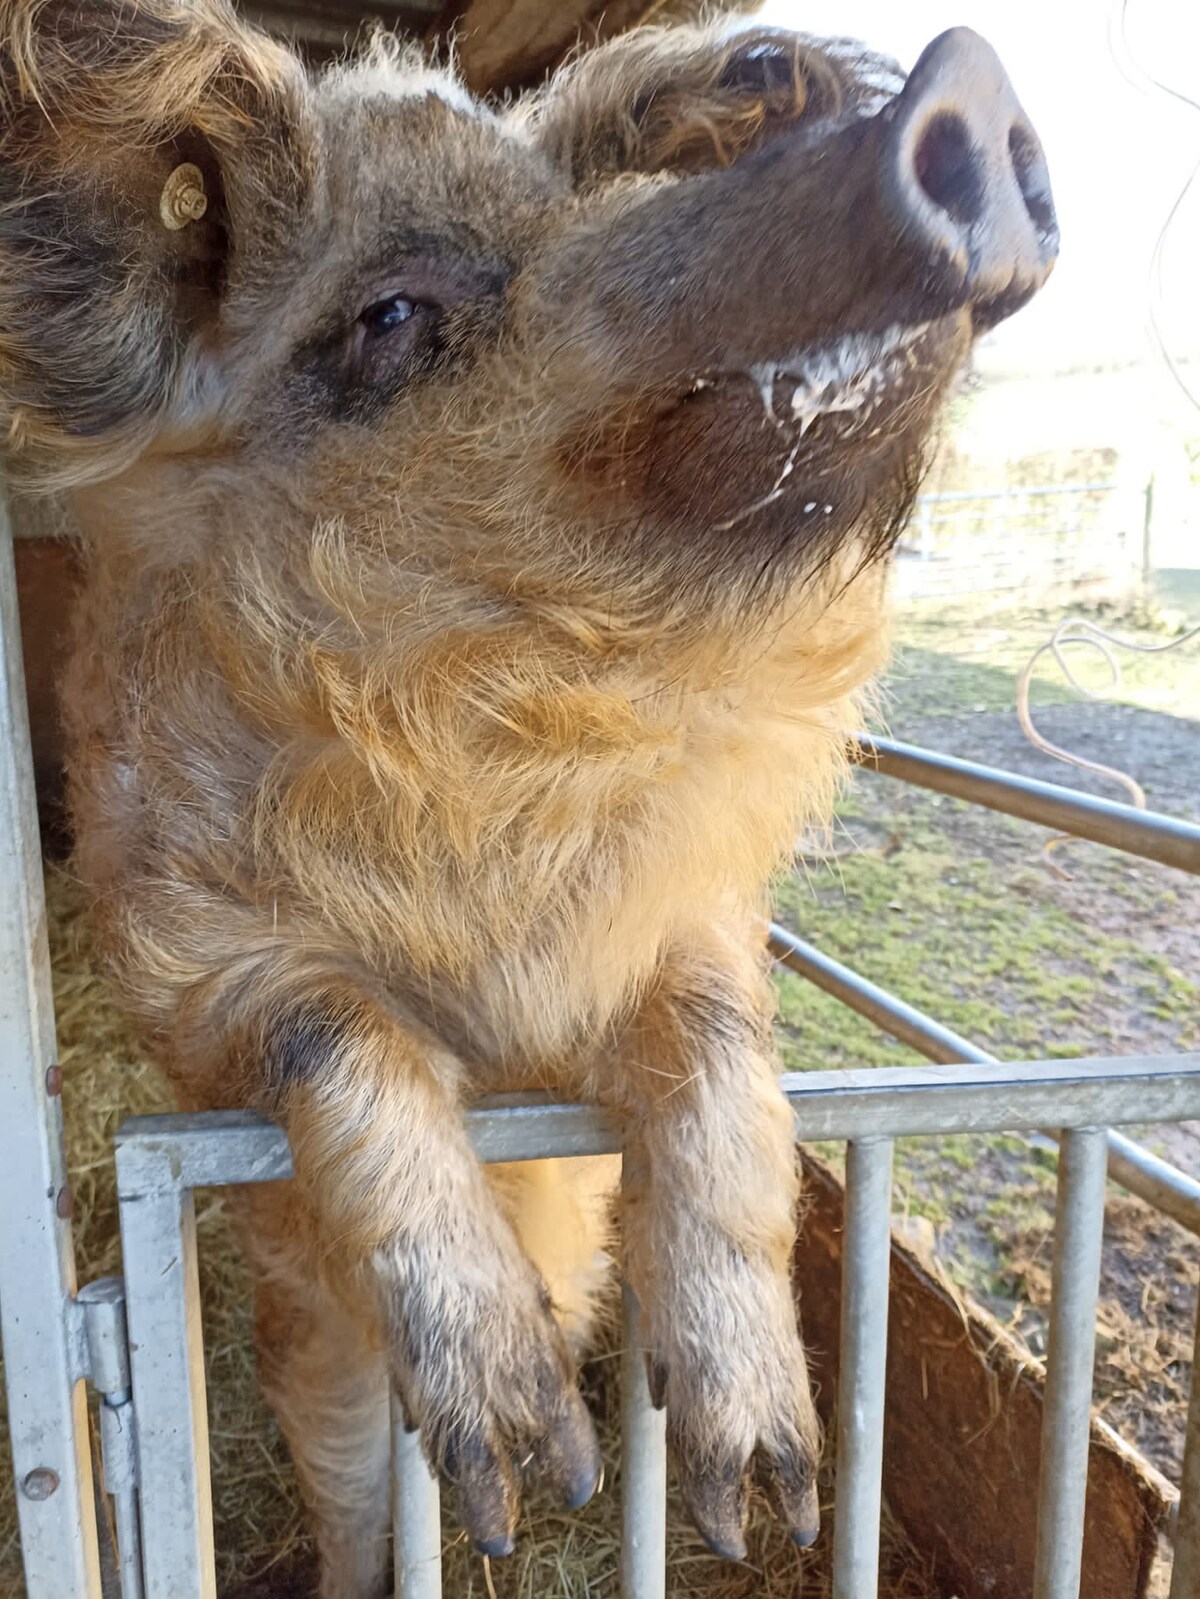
40	1483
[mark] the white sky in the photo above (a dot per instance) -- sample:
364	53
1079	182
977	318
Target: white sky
1120	152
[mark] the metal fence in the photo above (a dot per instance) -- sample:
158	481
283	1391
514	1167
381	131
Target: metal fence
150	1374
1037	540
161	1160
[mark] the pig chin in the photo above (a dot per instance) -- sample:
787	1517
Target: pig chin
764	468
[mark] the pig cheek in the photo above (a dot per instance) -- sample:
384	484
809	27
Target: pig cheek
695	464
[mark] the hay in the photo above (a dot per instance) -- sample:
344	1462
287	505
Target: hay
262	1547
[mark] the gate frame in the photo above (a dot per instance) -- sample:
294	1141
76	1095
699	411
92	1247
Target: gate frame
45	1353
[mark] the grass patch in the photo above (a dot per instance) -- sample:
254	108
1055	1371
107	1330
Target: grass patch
948	931
948	663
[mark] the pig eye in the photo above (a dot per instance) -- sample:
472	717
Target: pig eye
395	339
387	315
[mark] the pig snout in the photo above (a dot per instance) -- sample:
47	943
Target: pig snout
963	176
938	204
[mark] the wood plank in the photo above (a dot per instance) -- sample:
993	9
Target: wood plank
47	575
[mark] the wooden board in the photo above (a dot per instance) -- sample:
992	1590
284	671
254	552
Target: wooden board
501	44
963	1438
47	573
509	43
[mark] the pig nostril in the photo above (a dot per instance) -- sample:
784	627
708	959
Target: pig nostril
964	180
947	170
1028	168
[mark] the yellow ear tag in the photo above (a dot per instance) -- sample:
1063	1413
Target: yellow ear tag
183	199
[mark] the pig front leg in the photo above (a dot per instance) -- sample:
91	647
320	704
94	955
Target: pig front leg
709	1222
403	1227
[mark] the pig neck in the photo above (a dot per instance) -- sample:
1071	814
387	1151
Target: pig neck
487	809
537	817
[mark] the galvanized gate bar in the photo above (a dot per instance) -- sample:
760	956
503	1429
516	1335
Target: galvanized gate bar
1156	1181
1070	1359
1010	1096
416	1516
44	1362
1140	1171
160	1159
1165	839
166	1358
866	1263
1185	1573
643	1470
214	1148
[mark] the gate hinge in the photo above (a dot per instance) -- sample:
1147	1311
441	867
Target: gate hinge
104	1349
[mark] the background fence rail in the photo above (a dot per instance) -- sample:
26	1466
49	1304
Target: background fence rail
1026	540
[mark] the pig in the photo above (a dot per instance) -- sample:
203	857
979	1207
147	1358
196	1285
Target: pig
485	514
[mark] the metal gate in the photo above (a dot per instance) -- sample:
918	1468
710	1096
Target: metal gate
156	1466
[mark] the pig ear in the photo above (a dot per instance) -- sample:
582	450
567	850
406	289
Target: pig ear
137	141
679	99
